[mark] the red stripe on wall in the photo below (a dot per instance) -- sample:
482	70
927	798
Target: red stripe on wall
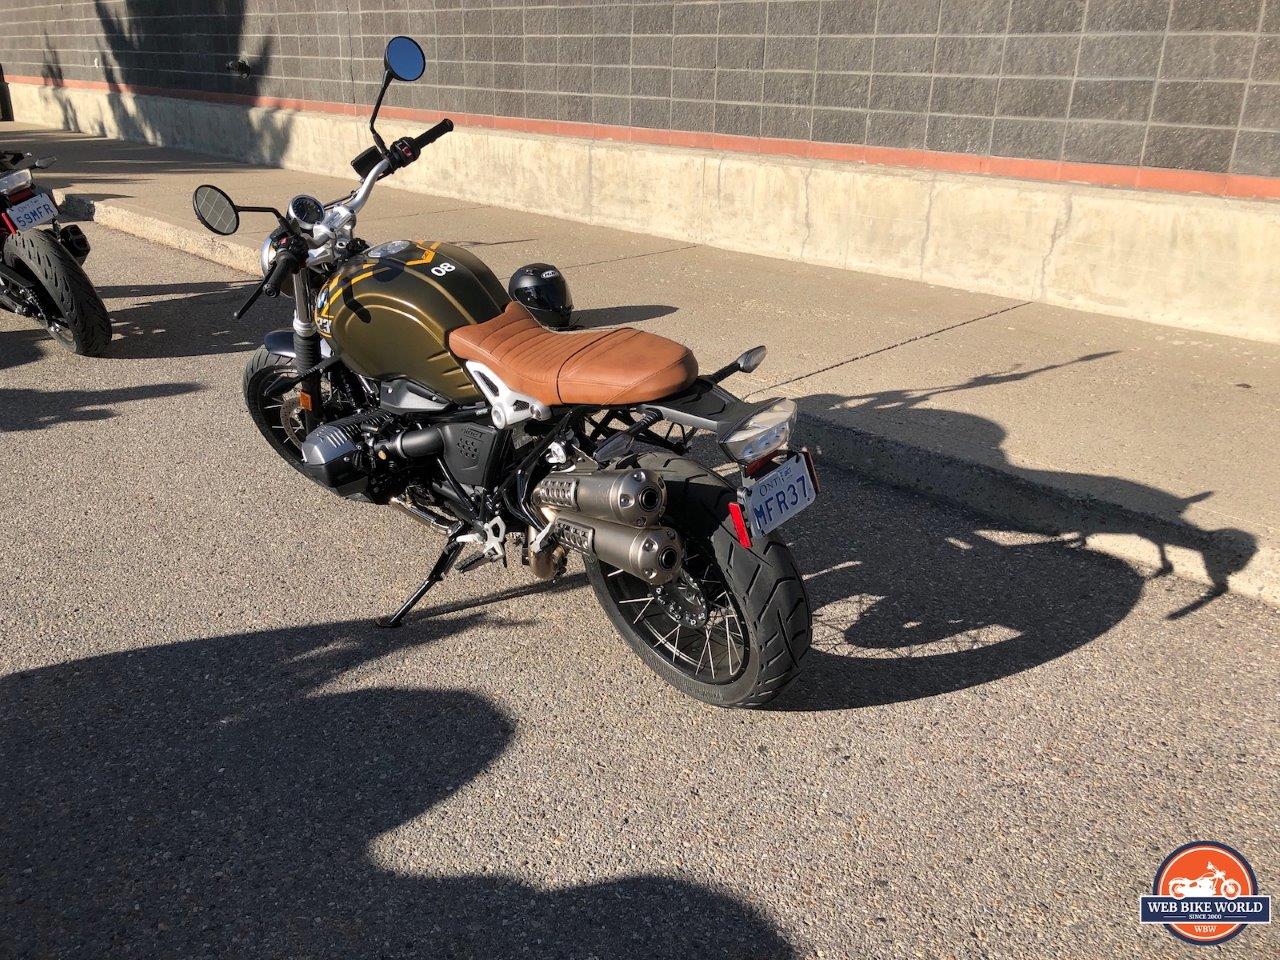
1098	174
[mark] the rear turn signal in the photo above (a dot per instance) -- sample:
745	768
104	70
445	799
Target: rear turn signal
740	524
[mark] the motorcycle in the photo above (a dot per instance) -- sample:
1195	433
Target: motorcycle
41	273
411	378
1212	883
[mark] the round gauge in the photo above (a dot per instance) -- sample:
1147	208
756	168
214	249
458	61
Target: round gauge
306	210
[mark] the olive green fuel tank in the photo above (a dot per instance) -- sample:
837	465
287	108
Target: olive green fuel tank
389	311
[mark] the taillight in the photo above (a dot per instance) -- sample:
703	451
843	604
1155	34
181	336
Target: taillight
12	183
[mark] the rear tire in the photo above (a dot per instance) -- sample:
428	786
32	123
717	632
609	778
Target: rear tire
66	294
767	591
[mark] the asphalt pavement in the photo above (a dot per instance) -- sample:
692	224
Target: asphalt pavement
209	751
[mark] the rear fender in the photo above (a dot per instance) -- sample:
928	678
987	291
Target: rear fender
704	405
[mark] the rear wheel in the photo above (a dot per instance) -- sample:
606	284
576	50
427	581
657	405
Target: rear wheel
732	628
64	297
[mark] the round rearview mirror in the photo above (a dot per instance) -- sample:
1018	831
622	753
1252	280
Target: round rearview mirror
215	210
405	59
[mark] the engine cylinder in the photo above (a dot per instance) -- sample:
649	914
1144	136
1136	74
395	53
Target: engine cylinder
633	497
654	554
333	454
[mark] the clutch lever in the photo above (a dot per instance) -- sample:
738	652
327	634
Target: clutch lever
253	298
287	260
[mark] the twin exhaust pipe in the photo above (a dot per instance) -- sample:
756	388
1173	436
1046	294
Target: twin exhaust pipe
612	515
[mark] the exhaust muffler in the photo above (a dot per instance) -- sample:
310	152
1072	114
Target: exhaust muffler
633	497
654	554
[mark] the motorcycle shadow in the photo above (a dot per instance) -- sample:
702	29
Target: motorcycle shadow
219	796
905	609
170	320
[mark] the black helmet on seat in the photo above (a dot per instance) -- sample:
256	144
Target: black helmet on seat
542	288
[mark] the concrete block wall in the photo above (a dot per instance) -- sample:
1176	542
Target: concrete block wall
1172	84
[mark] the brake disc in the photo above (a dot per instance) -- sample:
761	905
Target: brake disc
291	418
683	600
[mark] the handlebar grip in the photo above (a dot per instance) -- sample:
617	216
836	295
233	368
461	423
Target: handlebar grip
285	264
434	134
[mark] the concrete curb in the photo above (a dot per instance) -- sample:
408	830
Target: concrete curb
199	243
1226	560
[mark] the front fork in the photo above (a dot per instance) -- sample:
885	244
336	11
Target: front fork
306	349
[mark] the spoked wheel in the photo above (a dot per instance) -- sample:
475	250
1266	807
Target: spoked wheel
279	419
693	621
732	627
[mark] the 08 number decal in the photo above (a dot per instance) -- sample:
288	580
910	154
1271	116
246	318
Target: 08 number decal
442	268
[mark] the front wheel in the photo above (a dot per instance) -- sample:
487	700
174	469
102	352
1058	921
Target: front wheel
731	629
280	420
63	295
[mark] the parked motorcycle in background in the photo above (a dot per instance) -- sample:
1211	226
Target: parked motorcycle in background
40	261
411	377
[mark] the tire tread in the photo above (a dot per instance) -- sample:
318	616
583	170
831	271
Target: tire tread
66	286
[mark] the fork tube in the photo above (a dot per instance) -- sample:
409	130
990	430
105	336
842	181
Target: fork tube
306	348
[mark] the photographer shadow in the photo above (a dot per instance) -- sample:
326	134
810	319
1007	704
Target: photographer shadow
222	797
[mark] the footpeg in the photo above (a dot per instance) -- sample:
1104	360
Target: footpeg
471	563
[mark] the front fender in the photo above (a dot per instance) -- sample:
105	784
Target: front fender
280	342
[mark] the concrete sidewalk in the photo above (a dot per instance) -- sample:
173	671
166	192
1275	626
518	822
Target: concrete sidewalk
1155	444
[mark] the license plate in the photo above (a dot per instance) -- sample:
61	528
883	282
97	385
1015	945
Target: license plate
780	494
33	212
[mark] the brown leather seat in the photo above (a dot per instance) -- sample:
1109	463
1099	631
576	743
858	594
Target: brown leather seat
605	367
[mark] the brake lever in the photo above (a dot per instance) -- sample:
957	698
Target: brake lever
253	298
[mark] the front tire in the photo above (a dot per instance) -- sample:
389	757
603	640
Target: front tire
279	420
764	609
73	311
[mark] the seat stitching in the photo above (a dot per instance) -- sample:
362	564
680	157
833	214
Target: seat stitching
610	343
653	375
575	352
583	375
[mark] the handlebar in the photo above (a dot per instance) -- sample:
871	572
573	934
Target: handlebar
434	134
282	269
402	153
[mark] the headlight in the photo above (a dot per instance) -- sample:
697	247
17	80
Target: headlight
11	182
762	433
267	256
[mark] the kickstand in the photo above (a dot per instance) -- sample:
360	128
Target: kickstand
442	566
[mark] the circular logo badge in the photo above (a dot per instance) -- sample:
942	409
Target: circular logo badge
1202	884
